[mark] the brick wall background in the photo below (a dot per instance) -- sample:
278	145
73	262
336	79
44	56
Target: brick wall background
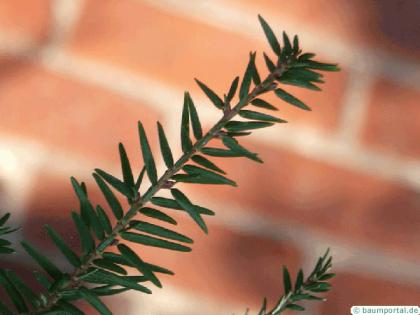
76	75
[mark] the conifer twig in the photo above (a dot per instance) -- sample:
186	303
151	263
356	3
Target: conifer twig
100	272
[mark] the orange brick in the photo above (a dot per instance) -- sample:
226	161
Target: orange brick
361	289
227	265
30	18
325	104
172	49
323	197
392	124
141	38
73	116
386	25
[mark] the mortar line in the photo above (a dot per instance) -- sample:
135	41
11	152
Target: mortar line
314	243
308	141
64	17
311	243
233	17
354	106
244	220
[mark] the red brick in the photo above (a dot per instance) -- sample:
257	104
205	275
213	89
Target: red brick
76	117
348	205
392	124
386	25
229	266
140	38
324	197
362	289
325	105
29	18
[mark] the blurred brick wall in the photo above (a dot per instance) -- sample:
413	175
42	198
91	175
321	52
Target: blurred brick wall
75	76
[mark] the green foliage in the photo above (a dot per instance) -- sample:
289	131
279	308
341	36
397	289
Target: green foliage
164	147
99	271
291	99
271	37
186	142
5	245
63	247
214	98
302	289
149	161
